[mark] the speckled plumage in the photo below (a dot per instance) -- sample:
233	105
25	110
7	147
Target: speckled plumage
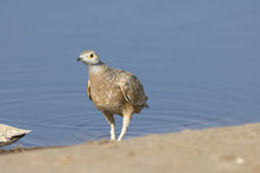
113	91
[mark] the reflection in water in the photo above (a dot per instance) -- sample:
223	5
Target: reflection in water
199	66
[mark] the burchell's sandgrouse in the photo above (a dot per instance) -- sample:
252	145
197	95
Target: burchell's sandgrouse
113	91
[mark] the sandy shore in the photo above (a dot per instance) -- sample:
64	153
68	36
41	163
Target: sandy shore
229	149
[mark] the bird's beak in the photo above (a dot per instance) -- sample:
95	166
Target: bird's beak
79	58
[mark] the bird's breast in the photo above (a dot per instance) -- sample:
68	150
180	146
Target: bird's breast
106	94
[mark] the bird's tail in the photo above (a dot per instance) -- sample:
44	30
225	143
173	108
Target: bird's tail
146	106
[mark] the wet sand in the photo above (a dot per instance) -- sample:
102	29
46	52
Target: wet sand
229	149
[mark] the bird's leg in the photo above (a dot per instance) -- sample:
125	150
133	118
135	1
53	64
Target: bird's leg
126	121
110	119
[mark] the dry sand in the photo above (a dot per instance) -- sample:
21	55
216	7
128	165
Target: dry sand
220	150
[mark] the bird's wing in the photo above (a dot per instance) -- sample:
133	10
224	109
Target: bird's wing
88	90
133	91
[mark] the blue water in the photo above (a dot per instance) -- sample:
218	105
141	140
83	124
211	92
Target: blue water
198	61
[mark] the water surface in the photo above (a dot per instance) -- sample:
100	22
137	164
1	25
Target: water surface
198	61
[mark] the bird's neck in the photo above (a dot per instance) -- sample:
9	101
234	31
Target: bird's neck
97	68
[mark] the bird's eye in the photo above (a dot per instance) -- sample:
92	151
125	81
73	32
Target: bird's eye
91	55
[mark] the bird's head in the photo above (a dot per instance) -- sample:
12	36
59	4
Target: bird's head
89	57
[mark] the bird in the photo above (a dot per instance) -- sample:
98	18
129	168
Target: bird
113	92
9	135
